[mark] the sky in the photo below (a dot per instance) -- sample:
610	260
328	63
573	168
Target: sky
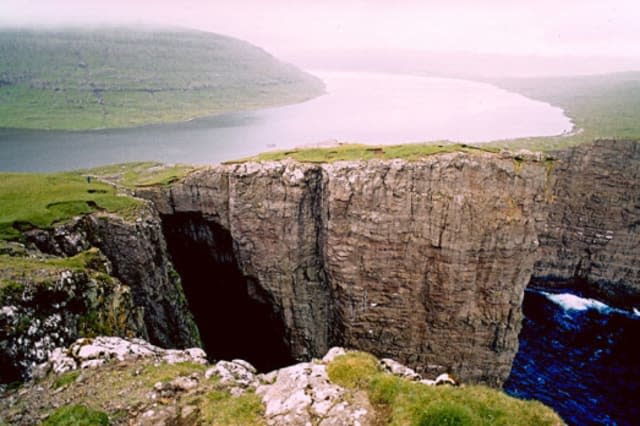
538	27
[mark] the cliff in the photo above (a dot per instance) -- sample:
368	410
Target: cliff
421	261
590	239
425	262
96	274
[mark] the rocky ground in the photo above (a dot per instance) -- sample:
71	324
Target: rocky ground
133	382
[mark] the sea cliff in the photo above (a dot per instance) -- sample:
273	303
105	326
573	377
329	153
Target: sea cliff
424	261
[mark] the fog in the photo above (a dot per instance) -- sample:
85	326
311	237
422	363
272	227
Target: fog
306	31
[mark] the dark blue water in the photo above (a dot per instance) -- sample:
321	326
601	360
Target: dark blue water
580	357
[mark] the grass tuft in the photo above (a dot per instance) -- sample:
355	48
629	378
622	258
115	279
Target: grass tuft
66	379
221	408
401	402
76	415
353	370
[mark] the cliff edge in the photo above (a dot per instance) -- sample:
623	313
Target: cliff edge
425	262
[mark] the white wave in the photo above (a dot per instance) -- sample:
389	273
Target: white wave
636	312
576	303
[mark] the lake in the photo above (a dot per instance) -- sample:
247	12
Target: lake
371	108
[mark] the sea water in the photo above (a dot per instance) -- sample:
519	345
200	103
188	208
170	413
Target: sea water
579	356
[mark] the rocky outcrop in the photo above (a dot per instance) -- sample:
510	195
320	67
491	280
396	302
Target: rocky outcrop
124	285
37	315
425	262
92	353
590	240
137	252
135	382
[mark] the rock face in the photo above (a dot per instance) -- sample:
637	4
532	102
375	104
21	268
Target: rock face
425	262
137	251
590	240
129	290
38	316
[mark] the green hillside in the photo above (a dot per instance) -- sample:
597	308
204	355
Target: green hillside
600	106
117	77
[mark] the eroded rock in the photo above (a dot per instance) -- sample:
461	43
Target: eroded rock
91	353
424	262
302	395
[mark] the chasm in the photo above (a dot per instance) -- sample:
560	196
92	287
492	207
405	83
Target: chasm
235	315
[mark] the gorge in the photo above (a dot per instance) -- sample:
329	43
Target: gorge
422	261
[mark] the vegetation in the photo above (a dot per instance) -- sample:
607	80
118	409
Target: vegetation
120	389
41	200
351	152
221	408
66	379
600	106
132	175
121	77
403	402
76	415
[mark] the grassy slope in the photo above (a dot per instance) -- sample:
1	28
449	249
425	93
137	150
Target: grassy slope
601	106
40	200
84	79
401	402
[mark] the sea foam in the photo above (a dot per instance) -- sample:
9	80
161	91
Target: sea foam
571	302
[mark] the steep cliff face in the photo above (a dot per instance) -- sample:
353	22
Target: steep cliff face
137	250
425	262
45	305
590	240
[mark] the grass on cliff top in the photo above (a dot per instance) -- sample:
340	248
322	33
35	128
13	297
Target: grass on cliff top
355	152
76	415
15	269
403	402
41	200
140	174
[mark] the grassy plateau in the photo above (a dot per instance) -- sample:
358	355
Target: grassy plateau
120	77
40	200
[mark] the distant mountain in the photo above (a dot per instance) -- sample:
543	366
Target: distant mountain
121	77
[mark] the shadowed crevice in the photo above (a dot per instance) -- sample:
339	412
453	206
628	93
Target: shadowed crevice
236	317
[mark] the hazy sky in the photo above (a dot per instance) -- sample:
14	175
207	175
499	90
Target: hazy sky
555	27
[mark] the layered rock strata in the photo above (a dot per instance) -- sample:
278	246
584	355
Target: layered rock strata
425	262
590	240
137	251
129	289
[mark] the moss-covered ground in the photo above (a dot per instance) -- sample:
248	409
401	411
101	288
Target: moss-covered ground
120	391
15	269
401	402
356	152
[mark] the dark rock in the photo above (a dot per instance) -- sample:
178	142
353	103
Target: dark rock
425	262
591	237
